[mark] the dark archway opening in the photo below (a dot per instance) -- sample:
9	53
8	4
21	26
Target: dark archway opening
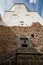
24	45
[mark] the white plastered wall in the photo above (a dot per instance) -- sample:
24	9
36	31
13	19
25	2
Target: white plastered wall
19	16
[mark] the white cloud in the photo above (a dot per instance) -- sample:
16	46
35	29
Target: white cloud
33	1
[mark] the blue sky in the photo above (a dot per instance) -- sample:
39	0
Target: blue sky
33	5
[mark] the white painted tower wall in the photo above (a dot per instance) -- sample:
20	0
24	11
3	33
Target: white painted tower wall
19	16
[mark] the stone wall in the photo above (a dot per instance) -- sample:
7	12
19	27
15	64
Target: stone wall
29	60
21	58
7	42
35	33
8	35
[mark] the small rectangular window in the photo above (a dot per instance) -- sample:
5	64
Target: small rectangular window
21	21
23	38
14	14
26	14
24	45
21	24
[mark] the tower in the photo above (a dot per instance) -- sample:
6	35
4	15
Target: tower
20	15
